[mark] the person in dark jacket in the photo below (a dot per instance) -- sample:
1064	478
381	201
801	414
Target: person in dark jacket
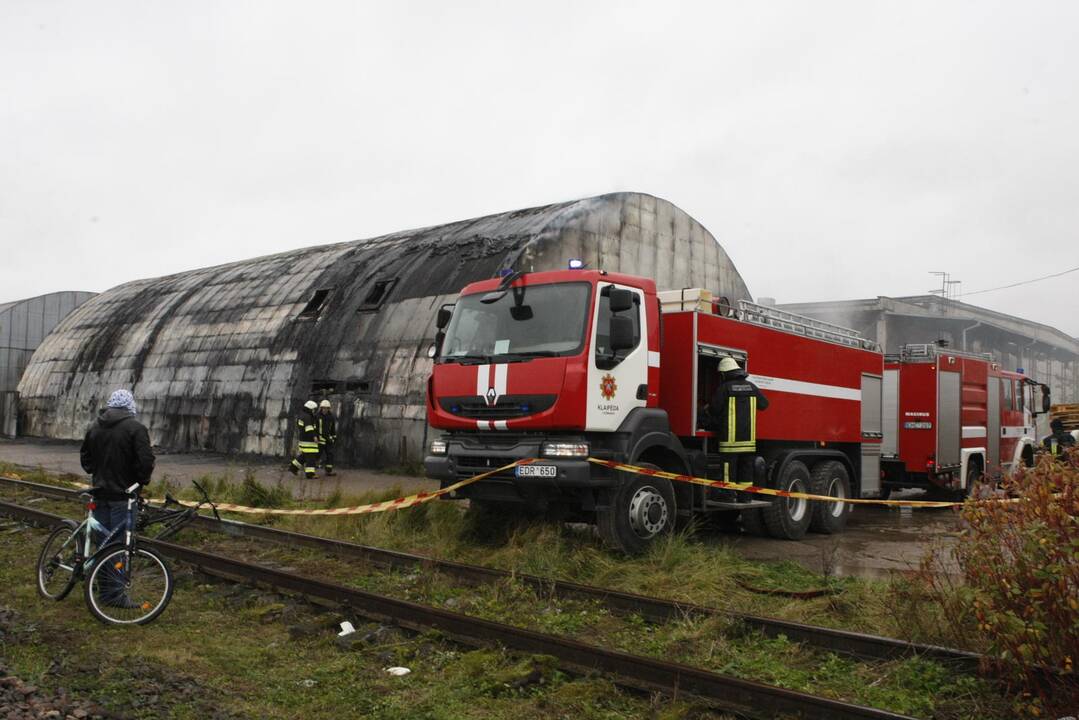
327	435
116	452
1060	440
307	441
732	416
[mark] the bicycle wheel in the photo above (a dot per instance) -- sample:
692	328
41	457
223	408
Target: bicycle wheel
57	565
128	587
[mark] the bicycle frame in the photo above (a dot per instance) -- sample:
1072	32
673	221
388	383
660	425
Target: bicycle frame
84	533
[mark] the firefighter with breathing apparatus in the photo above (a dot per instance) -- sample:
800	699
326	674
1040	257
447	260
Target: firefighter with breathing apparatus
732	416
307	433
1060	440
327	435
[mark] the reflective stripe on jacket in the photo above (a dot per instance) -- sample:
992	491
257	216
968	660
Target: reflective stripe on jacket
733	411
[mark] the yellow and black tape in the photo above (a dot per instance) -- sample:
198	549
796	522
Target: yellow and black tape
383	506
751	488
424	497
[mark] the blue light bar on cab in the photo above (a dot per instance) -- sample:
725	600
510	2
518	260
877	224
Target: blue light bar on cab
576	264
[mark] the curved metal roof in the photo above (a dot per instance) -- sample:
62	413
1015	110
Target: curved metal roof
219	356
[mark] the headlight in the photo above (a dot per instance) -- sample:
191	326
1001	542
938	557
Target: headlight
438	447
565	449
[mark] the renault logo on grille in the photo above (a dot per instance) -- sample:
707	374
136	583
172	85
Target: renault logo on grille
492	396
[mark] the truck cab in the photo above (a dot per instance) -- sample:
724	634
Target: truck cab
555	365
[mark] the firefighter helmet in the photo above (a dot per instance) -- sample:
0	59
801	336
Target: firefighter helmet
728	364
310	405
324	404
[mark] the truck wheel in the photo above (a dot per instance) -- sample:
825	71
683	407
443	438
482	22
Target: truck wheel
637	512
974	474
491	521
788	518
753	522
829	478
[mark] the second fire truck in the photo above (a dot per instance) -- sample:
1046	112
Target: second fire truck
951	417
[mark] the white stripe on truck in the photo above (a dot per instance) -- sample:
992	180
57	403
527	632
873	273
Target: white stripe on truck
798	387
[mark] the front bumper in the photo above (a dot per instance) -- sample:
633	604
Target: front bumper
475	455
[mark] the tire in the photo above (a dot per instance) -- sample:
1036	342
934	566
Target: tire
753	522
789	518
832	479
637	512
150	590
974	474
491	522
53	582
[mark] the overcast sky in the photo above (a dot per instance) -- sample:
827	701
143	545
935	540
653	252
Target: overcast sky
837	150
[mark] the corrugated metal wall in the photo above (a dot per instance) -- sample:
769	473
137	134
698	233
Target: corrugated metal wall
23	326
220	357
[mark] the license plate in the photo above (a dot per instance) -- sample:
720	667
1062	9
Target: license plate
540	471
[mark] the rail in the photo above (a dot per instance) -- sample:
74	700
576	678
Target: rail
859	645
744	697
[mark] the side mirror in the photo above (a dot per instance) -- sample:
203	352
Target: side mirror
444	314
1047	402
621	300
436	346
621	333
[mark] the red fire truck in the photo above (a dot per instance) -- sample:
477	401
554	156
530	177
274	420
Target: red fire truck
567	365
951	417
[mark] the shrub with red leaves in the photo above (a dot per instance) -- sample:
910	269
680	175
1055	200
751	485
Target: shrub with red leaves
1019	557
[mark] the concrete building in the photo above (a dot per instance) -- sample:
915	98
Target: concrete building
1047	354
219	358
23	325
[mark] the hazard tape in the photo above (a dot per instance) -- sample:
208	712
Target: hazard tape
423	497
383	506
751	488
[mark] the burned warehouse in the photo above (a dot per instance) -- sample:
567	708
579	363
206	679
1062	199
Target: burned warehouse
220	357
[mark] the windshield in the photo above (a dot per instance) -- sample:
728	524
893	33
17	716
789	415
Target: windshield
529	321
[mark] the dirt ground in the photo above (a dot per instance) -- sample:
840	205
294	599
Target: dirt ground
877	542
181	468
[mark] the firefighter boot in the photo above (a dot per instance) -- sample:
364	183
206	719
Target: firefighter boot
329	470
294	467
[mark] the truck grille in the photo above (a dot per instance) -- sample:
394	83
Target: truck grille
507	406
470	465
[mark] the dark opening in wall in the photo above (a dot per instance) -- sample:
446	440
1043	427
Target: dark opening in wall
314	305
377	295
323	387
360	387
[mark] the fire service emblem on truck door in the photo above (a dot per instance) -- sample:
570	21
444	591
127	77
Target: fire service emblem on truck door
608	387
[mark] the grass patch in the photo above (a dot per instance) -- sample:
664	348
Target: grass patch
225	654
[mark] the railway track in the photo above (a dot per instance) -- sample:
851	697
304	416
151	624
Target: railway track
742	697
853	644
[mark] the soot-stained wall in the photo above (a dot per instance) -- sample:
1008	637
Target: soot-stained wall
220	357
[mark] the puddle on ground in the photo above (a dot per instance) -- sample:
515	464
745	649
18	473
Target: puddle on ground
878	542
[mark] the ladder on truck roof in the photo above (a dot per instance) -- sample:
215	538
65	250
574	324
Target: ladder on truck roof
752	312
927	352
699	300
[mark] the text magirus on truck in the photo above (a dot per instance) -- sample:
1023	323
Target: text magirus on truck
567	365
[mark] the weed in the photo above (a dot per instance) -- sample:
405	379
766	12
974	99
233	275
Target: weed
1020	581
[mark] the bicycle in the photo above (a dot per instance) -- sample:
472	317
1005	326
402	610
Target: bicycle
173	519
126	584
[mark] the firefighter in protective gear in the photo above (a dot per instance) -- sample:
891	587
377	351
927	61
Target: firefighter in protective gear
307	432
732	413
327	435
1060	440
